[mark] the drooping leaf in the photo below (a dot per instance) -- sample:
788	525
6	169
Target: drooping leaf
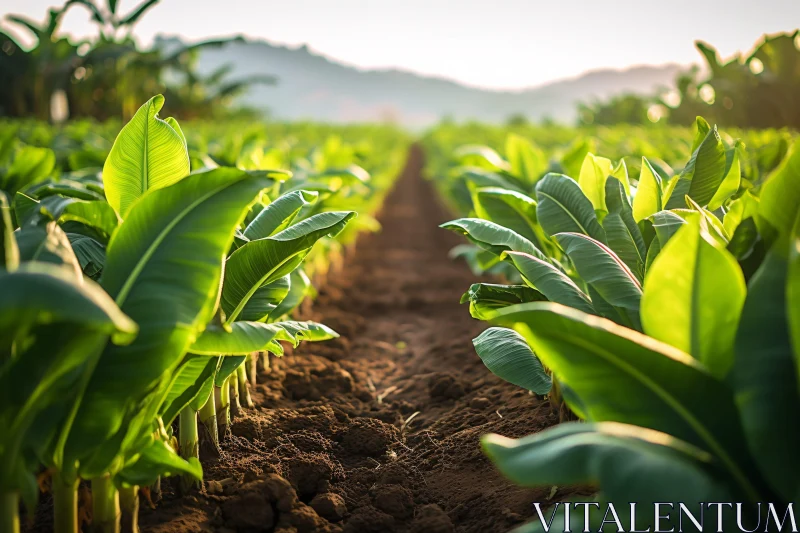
48	244
493	237
506	354
510	209
621	460
148	154
243	338
96	214
624	376
562	207
486	297
693	297
158	459
91	254
299	288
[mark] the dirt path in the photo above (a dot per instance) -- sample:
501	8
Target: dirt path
330	418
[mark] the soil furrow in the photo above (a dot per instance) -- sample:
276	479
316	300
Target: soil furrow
377	431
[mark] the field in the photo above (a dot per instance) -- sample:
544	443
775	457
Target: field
238	326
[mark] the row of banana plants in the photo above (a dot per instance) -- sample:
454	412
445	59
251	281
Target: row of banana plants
134	299
661	310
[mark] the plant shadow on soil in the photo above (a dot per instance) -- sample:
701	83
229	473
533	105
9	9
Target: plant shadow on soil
326	450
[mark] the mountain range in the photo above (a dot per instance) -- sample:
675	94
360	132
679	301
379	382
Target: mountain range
311	86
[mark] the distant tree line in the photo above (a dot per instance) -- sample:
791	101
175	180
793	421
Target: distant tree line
108	75
760	90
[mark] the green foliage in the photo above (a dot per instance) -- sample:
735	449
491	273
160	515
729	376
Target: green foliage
664	309
94	374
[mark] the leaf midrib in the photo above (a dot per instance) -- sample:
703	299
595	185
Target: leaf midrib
563	208
134	275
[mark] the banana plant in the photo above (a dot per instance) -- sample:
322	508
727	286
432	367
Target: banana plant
165	276
53	328
261	284
649	327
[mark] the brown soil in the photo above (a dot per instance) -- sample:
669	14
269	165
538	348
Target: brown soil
377	431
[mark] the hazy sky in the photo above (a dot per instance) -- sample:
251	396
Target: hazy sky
501	43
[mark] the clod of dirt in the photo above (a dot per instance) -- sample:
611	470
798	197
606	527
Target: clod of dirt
369	520
480	403
431	519
299	387
329	506
368	436
335	379
445	386
247	426
394	500
280	491
250	511
309	473
305	520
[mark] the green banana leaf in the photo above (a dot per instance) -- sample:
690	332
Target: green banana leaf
299	288
562	207
693	298
623	234
623	376
602	270
493	237
187	384
265	260
622	460
155	460
31	165
163	268
266	299
551	282
649	194
148	154
764	375
506	354
510	209
780	194
47	244
244	338
59	326
527	161
486	297
279	214
702	175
